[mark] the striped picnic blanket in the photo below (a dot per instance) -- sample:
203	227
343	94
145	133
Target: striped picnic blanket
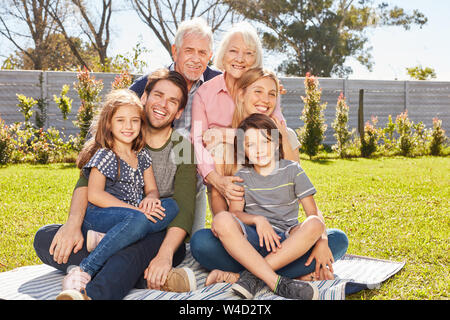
353	273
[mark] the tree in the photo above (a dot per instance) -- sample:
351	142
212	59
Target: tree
420	73
25	22
163	17
318	36
95	27
58	57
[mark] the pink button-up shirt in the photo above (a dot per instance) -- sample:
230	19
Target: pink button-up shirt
212	106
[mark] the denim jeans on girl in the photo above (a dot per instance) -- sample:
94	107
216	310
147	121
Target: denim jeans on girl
203	243
123	227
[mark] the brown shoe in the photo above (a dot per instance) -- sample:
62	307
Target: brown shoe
73	295
180	280
217	276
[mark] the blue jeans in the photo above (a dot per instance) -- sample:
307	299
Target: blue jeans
123	227
204	243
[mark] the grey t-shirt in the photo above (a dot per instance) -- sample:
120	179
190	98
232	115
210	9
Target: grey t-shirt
129	186
276	195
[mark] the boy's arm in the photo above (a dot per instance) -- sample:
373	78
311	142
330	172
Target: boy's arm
310	207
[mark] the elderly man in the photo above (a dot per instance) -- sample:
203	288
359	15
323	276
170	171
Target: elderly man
61	246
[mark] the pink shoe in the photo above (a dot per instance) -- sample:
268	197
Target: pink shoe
75	279
92	239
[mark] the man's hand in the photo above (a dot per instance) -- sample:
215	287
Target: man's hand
157	271
66	239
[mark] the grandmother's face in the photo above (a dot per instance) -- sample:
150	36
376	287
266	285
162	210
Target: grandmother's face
238	57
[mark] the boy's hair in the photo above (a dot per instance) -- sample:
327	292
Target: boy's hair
172	76
100	130
247	79
255	121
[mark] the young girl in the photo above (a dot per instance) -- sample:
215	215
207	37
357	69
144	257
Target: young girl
124	202
262	232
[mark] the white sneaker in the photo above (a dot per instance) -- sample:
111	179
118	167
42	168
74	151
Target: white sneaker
75	279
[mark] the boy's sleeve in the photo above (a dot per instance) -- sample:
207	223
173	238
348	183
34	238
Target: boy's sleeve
303	186
185	192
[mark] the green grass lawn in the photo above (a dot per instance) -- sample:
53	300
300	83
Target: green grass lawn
390	208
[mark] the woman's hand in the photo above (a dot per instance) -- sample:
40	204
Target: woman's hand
218	135
226	185
266	234
151	207
281	125
324	260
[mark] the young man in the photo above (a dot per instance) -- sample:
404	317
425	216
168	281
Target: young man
175	174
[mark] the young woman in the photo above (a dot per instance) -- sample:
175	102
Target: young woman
124	202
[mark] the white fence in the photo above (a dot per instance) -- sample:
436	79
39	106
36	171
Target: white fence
424	100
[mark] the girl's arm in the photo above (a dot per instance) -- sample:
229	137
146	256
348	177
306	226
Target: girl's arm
151	204
97	194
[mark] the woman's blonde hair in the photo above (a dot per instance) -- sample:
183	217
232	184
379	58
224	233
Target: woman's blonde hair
100	130
251	39
241	84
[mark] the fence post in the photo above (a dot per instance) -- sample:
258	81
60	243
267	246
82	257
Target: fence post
361	113
406	88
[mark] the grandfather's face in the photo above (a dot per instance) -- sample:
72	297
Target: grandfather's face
192	58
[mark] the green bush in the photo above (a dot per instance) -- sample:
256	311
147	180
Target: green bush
438	138
369	142
312	133
340	126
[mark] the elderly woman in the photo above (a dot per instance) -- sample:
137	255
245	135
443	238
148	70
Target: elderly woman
213	105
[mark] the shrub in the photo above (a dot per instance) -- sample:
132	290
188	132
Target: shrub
25	107
5	143
369	142
340	126
388	134
64	103
122	81
404	127
312	133
89	92
438	138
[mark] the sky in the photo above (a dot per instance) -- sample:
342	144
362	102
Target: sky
394	49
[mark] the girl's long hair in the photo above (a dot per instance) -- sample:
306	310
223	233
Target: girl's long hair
246	80
255	121
100	130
